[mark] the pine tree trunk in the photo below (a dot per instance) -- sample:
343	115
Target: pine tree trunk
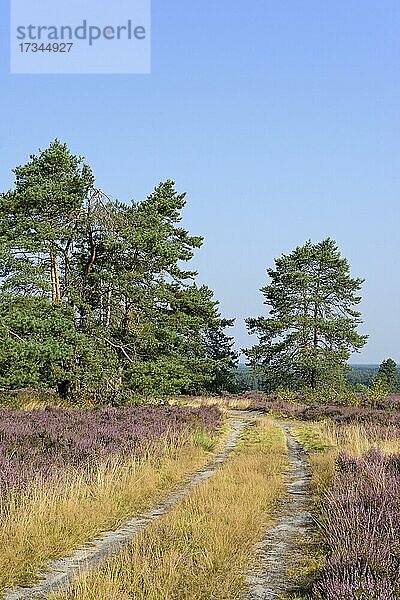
55	277
108	315
313	379
127	316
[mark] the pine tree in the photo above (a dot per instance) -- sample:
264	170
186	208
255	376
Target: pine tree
155	313
311	328
219	347
40	220
95	297
388	375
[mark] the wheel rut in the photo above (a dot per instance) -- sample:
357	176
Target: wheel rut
59	574
269	579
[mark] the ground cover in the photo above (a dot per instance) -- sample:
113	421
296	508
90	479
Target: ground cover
69	474
205	545
355	482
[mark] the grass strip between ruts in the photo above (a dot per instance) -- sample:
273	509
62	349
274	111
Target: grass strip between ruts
204	546
49	521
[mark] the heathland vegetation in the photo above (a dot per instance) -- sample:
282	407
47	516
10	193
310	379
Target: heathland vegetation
119	385
67	475
204	546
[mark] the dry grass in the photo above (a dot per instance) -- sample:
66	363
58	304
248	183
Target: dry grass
355	438
202	548
324	439
223	402
49	521
358	438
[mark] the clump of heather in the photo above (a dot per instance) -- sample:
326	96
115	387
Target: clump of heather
360	526
287	404
42	443
385	411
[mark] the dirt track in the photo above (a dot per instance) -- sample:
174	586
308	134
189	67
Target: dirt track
273	552
270	578
60	573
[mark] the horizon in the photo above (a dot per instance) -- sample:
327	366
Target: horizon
350	364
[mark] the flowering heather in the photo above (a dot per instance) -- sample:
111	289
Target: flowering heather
41	443
386	411
360	526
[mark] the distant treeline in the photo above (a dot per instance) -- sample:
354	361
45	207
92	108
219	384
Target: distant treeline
246	379
361	374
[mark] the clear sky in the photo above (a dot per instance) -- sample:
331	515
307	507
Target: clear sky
279	118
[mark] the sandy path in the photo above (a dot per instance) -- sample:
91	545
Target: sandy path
273	552
267	582
60	573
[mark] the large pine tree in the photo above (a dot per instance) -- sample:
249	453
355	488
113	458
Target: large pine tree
95	295
311	329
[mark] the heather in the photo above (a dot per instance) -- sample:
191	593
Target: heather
354	407
360	523
43	443
202	548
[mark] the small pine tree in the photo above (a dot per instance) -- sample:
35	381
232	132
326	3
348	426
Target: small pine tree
219	348
388	375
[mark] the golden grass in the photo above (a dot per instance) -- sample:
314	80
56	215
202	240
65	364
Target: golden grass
358	438
202	548
325	439
223	402
355	438
49	521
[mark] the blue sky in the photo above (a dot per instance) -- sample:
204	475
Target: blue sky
279	118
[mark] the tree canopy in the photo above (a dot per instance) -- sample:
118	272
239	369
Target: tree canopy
311	329
95	294
388	375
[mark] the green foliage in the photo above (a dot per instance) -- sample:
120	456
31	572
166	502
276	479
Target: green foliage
310	437
379	389
387	377
361	375
311	329
41	347
246	379
342	396
287	396
95	299
203	439
219	348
